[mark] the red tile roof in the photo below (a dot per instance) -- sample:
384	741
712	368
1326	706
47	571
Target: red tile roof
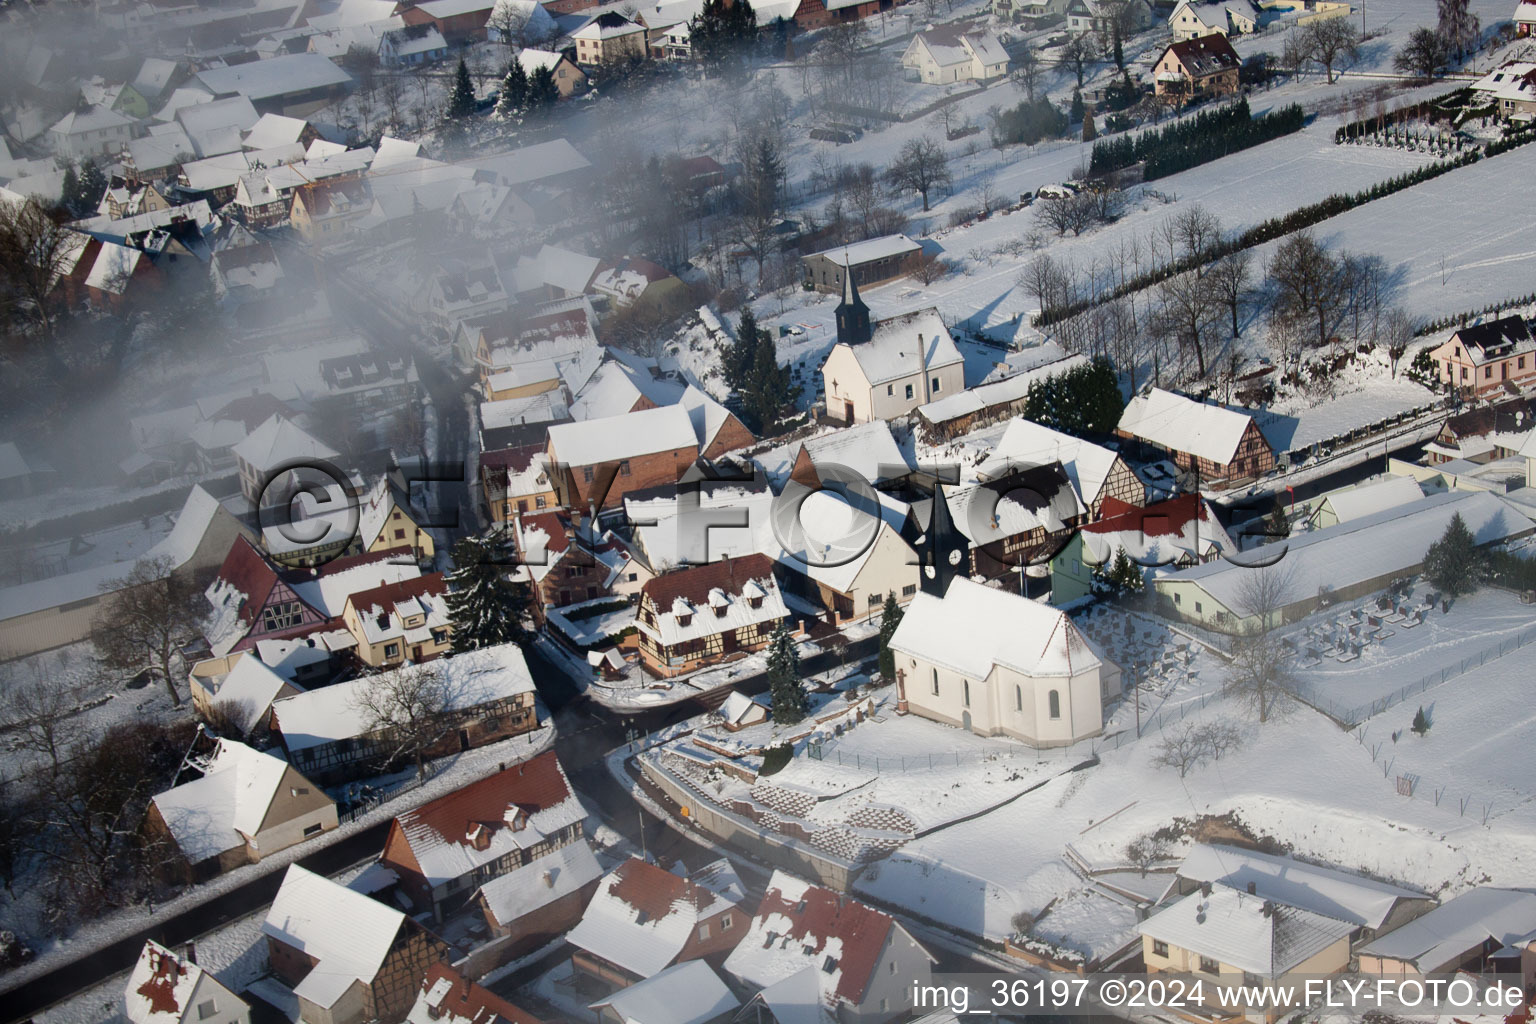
391	594
822	914
1206	55
465	1001
533	786
1163	519
655	891
517	458
694	584
247	571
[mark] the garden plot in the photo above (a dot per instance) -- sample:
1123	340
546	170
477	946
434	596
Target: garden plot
1476	628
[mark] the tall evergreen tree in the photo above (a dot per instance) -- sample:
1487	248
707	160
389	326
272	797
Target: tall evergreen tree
743	353
485	606
69	195
790	702
461	97
514	91
542	91
721	33
1078	110
93	185
1454	563
1089	131
890	618
770	388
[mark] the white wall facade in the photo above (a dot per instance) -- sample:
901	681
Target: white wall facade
1007	703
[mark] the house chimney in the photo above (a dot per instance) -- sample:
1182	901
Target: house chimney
549	879
189	952
1205	888
1253	888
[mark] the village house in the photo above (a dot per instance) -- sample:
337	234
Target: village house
294	85
1336	563
386	522
330	737
238	689
447	997
1487	357
1484	928
846	551
400	622
947	53
167	988
1194	18
276	444
890	369
631	281
1096	472
529	906
347	957
708	613
412	45
1197	68
462	289
1181	532
686	993
247	805
994	663
568	78
1350	503
569	559
443	851
813	14
811	953
458	21
1093	16
245	274
1231	935
872	262
597	462
1020	515
643	918
514	480
1483	433
323	213
1222	446
1525	18
700	520
608	38
1372	907
91	133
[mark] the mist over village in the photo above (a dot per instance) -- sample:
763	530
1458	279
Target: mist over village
782	512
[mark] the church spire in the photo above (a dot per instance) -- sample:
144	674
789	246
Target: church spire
852	315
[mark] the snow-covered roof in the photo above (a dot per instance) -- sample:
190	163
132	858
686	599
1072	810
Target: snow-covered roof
974	627
220	810
1167	532
545	407
614	438
1254	935
153	76
707	415
177	549
163	986
280	440
278	76
448	997
540	882
516	809
984	396
871	249
1027	443
800	927
1371	547
833	535
218	127
1371	498
274	130
868	449
898	343
1029	498
686	993
114	268
538	60
349	934
92	119
249	690
1337	894
641	917
532	163
333	713
1439	939
706	600
608	25
739	708
12	465
1181	424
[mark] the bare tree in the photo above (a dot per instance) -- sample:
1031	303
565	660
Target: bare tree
36	249
407	709
922	167
44	715
1193	746
1146	851
1068	211
1188	306
509	24
986	192
1197	231
1397	332
1077	53
1232	277
1260	673
146	618
1458	26
1026	71
1330	43
1045	279
1307	282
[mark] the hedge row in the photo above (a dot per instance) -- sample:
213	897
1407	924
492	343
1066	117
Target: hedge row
1458	319
1207	136
1297	220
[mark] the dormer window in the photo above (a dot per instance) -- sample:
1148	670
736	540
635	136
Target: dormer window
755	602
685	619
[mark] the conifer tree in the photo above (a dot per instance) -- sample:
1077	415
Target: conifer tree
69	195
1454	563
890	618
1078	110
514	91
1420	722
1089	131
485	605
461	98
721	32
789	698
542	91
743	353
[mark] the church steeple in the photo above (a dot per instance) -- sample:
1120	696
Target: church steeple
852	315
942	551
